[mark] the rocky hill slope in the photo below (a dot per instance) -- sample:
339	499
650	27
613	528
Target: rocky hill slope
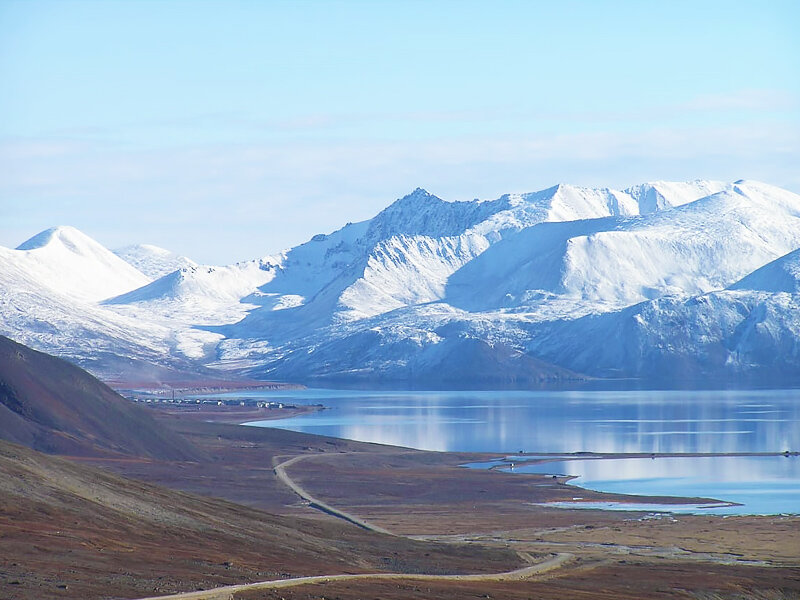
50	405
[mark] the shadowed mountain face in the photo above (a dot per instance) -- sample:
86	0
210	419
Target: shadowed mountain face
443	364
53	406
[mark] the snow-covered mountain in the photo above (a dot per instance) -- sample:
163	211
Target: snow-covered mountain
52	289
56	310
67	261
408	252
688	279
523	269
698	247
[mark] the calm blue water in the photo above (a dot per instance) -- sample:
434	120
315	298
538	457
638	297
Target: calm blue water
756	484
590	421
509	421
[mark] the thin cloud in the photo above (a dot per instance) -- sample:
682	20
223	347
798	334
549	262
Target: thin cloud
748	100
273	195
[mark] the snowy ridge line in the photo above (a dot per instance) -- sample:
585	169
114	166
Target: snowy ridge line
694	279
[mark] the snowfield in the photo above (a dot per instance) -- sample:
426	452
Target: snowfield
690	281
153	261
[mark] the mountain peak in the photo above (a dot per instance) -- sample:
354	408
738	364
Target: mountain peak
68	236
66	260
419	198
418	191
419	194
423	213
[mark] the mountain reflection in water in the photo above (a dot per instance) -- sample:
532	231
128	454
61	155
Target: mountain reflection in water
563	421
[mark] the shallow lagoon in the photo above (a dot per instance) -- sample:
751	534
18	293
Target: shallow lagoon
727	421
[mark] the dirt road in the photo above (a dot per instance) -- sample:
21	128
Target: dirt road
280	472
227	592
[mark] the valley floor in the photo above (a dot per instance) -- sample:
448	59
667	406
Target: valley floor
444	519
427	496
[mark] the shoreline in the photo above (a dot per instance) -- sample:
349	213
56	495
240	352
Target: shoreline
567	456
193	388
615	500
682	503
232	415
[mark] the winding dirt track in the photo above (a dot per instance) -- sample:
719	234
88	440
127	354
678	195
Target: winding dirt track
227	592
280	472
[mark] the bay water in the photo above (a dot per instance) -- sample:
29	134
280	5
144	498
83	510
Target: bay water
628	421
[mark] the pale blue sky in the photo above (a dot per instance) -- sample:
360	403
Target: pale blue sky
229	130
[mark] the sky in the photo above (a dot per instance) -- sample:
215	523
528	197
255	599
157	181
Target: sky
229	130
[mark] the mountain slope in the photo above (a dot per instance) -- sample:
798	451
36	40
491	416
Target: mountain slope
663	195
51	405
116	346
431	345
781	275
197	295
721	336
62	314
